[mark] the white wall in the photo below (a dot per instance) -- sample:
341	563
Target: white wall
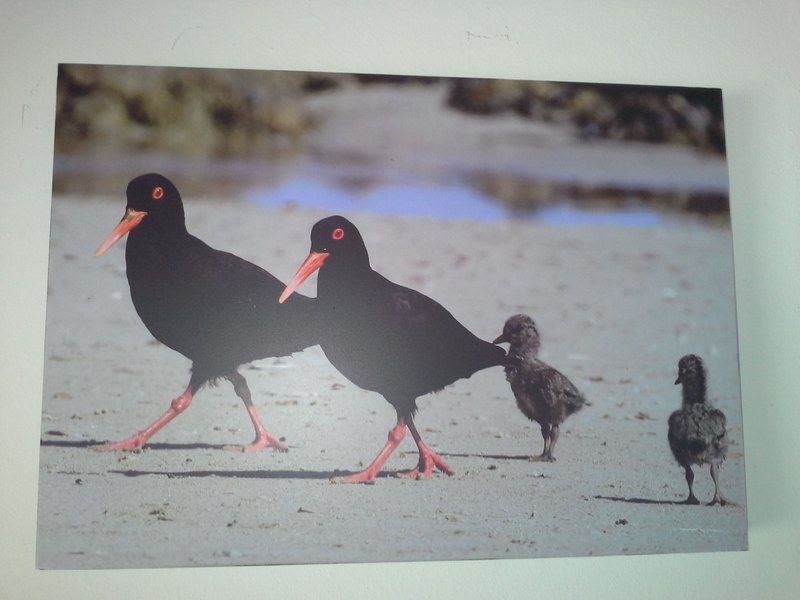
749	49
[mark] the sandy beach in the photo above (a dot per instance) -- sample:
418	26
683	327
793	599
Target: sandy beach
616	307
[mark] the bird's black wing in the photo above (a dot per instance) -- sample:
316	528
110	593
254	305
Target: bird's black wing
423	315
713	428
697	433
435	336
683	442
716	422
556	388
235	304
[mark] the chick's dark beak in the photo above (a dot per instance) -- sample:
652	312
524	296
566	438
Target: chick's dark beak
500	339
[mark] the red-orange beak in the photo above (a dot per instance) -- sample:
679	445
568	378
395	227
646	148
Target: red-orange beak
311	264
131	219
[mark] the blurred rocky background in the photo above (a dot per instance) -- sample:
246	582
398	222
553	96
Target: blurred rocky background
216	117
197	112
226	113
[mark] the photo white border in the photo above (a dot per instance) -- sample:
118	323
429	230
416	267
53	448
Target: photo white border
748	49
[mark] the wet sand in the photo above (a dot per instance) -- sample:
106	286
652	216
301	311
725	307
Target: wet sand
616	308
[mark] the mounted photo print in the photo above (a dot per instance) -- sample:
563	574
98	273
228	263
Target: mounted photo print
300	318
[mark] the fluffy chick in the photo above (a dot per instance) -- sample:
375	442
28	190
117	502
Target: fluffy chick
696	432
543	394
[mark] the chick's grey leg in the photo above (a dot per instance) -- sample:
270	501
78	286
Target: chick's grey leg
545	427
690	480
553	439
546	438
718	497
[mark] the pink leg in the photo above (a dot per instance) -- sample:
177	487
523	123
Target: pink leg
179	404
396	435
428	459
264	439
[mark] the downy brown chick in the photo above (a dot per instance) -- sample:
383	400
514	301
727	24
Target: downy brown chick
543	394
697	431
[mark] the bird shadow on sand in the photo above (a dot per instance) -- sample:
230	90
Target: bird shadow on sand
260	474
97	445
70	443
488	456
639	500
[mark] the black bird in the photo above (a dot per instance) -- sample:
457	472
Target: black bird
697	431
385	337
215	308
543	394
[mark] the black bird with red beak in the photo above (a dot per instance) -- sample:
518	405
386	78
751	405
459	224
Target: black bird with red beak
385	337
215	308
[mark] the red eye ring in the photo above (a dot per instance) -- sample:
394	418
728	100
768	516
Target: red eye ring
337	234
158	193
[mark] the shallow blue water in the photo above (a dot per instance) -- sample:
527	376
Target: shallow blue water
451	202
